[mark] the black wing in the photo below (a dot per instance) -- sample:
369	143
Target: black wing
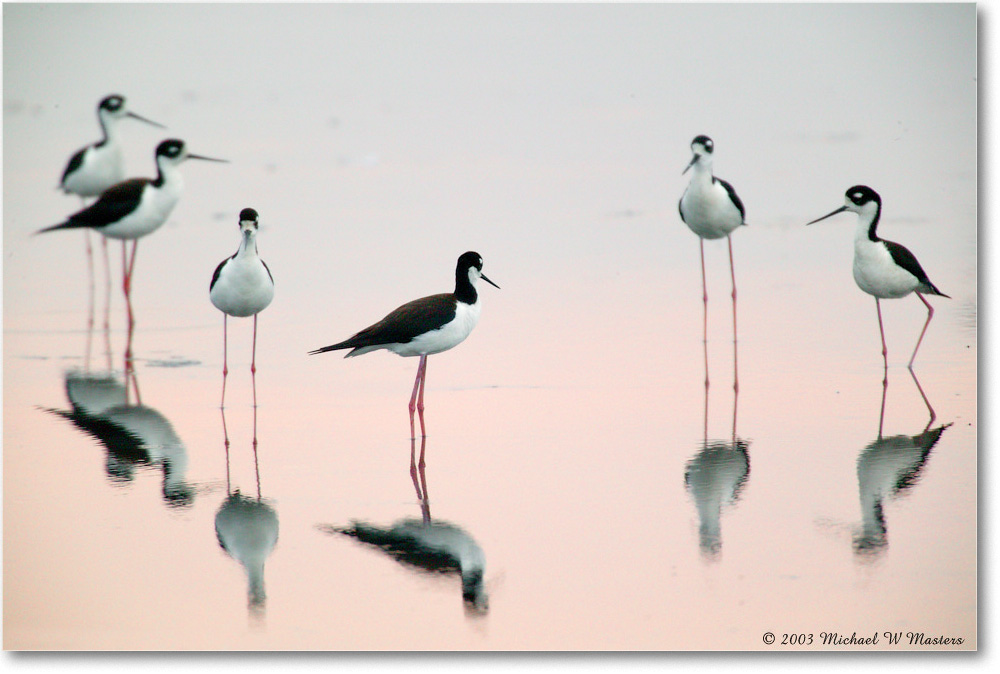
114	204
732	195
218	270
75	162
403	324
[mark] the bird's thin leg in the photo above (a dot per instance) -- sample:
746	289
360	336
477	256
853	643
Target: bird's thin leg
926	401
732	273
704	299
413	396
420	398
930	315
225	442
885	388
107	301
131	266
90	314
225	359
253	357
885	351
253	365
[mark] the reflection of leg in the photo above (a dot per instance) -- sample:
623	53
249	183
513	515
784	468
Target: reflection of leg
885	351
930	315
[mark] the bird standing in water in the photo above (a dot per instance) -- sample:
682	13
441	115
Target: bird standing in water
712	210
425	326
883	269
242	286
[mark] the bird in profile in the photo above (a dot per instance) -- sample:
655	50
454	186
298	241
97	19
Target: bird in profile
98	166
242	286
425	326
883	269
712	210
136	207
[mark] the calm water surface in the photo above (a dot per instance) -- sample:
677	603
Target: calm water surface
575	455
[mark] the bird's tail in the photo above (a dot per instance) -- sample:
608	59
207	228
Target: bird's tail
931	289
332	347
69	224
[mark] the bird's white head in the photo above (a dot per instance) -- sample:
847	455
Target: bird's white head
249	222
702	148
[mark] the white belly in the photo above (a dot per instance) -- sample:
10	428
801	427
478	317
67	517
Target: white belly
451	335
877	274
153	211
101	168
709	211
244	290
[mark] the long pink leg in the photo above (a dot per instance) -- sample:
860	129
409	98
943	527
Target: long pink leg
225	359
926	401
930	315
253	365
732	273
881	329
704	299
420	399
418	386
90	314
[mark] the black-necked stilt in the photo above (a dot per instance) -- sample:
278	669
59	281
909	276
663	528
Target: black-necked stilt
883	268
426	326
98	166
712	210
242	286
138	206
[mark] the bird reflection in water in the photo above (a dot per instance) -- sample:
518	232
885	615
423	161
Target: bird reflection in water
716	477
889	467
133	434
247	528
428	545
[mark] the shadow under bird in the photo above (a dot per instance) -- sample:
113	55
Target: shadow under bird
425	326
139	206
242	286
883	269
99	166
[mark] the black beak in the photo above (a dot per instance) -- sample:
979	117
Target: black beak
143	119
691	163
198	156
483	276
828	215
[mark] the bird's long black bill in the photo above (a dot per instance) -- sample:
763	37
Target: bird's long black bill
204	158
143	119
691	163
828	215
483	276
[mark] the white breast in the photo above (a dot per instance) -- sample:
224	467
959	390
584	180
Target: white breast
101	168
877	274
244	288
451	335
154	208
708	210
